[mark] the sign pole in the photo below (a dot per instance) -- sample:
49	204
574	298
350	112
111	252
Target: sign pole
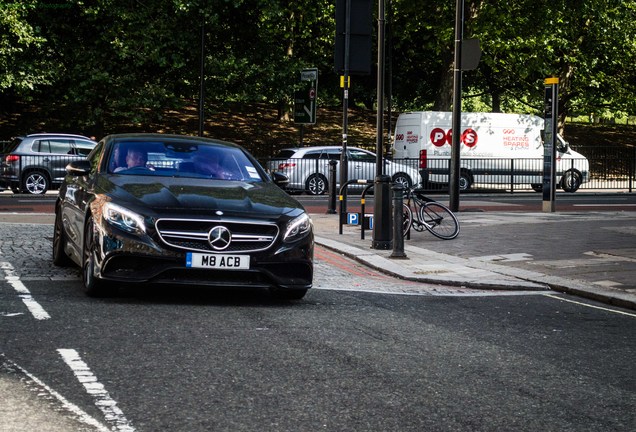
344	162
549	143
202	80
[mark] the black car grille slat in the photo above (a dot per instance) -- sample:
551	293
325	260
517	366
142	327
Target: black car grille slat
192	235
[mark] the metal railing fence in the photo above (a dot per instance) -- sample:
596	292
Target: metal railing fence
608	168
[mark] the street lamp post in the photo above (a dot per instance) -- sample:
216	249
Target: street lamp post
457	108
382	217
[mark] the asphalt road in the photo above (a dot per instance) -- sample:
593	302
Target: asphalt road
341	359
194	360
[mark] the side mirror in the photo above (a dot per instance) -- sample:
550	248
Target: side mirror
79	168
562	145
279	178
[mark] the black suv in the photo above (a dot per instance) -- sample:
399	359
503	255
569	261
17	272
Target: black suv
36	163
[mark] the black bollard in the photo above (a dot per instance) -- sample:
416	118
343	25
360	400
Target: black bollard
332	187
382	226
398	221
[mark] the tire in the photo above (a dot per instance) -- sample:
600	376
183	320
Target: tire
316	184
403	179
407	219
571	181
93	286
465	180
60	258
439	220
35	183
288	294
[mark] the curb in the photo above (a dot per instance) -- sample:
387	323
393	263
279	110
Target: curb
506	278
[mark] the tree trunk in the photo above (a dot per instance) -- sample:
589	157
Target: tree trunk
444	99
496	100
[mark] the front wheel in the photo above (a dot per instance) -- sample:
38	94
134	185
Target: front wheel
439	220
60	258
571	181
93	286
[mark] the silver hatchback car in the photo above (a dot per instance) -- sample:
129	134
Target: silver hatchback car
308	168
36	163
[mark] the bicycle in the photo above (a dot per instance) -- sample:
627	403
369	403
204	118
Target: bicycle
438	219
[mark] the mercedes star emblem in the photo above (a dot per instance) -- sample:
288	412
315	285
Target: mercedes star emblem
220	237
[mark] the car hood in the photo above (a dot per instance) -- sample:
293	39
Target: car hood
199	196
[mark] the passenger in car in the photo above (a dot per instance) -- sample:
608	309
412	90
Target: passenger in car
207	163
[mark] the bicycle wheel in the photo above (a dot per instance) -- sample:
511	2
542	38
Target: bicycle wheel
407	219
439	220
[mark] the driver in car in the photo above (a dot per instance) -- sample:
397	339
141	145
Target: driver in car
135	157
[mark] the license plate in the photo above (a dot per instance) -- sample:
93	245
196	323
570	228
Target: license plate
225	262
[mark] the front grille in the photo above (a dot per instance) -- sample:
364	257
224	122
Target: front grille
193	234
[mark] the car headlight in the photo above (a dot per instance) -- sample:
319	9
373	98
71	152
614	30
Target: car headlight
297	228
124	219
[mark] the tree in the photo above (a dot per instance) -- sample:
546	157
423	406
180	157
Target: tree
588	45
18	38
115	60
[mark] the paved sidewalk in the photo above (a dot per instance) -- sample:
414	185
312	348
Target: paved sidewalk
591	254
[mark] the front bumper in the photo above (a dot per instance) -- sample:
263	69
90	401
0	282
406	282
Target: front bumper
123	257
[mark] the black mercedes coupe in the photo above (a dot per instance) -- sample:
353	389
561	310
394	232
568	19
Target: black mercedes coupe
154	208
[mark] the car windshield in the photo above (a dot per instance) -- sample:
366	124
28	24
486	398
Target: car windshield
181	159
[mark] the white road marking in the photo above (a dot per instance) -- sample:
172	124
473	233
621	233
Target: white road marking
607	283
591	306
34	307
74	409
94	388
505	258
11	314
604	205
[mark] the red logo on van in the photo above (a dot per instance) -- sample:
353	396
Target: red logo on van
469	138
439	137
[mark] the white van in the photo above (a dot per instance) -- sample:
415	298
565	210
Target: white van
495	149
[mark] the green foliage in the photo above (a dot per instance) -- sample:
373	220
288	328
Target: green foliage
101	60
18	38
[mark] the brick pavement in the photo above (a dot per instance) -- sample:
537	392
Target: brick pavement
590	254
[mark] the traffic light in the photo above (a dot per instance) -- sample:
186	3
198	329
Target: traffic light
359	33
